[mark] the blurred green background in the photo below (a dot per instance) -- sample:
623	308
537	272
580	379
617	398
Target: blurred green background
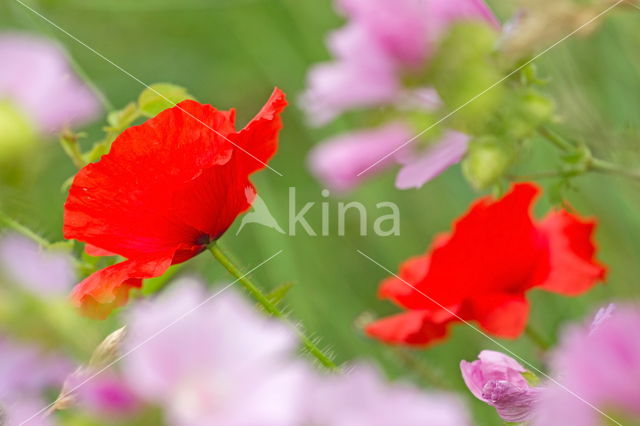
230	53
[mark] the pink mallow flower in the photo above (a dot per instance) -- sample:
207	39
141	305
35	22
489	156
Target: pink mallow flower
361	397
596	371
27	374
37	270
339	163
37	77
381	42
212	359
344	162
497	379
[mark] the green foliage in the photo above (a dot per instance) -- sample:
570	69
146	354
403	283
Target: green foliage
158	97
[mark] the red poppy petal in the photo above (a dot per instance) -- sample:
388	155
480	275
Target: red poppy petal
260	136
494	248
399	290
92	250
107	289
503	315
410	328
198	202
122	203
574	269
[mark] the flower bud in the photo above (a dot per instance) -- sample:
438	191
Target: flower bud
487	160
18	136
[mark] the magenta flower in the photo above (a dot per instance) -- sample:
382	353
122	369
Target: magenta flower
596	366
37	270
497	379
37	77
361	397
216	362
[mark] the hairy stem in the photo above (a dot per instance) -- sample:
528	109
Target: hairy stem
20	228
268	305
537	339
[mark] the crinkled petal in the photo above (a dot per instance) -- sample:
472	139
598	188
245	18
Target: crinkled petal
502	315
574	269
410	328
109	288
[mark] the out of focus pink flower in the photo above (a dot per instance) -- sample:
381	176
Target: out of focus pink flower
408	30
36	76
213	362
26	373
344	162
382	41
338	162
103	394
497	379
596	367
419	169
39	271
362	397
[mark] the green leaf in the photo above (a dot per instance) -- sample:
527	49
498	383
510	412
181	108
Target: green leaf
279	293
531	378
158	97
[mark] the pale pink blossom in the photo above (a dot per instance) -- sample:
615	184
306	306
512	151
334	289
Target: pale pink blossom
37	270
361	397
418	169
596	370
382	42
37	77
339	163
215	361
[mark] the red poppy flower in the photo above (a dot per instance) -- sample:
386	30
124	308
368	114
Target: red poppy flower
483	269
166	190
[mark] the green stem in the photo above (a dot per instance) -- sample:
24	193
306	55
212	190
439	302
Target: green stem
268	305
421	368
18	227
594	164
556	139
537	339
602	166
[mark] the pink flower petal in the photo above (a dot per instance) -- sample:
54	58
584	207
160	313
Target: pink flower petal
419	170
338	162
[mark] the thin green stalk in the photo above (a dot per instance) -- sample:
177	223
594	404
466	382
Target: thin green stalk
602	166
556	139
594	164
269	306
20	228
422	369
537	339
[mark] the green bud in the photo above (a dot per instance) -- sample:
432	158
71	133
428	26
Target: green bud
161	96
486	162
466	76
18	136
